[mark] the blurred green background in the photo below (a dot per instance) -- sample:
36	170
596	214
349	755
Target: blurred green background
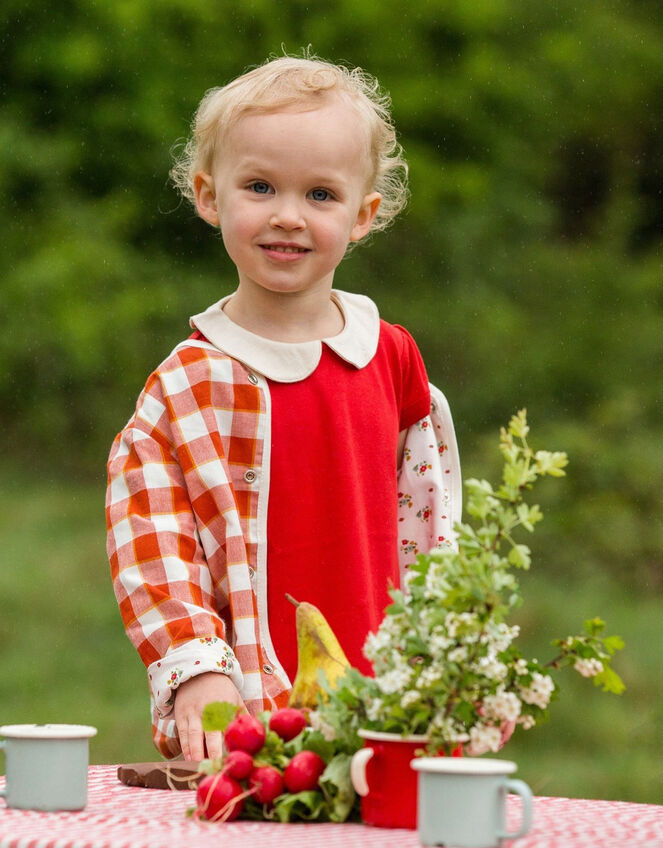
527	266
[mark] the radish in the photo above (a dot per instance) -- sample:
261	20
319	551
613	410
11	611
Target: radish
244	733
218	798
303	771
288	723
267	782
237	764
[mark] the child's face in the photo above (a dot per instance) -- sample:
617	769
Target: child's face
289	193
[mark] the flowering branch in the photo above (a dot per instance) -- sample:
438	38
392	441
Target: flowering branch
445	660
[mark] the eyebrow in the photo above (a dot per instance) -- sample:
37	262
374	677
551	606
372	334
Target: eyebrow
266	170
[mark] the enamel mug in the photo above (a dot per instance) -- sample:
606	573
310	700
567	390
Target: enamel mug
46	765
462	802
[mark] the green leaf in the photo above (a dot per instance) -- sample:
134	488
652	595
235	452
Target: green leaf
613	643
518	424
317	743
337	788
301	806
519	556
217	715
551	463
610	681
594	626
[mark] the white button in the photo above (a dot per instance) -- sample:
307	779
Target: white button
252	378
250	476
252	573
268	669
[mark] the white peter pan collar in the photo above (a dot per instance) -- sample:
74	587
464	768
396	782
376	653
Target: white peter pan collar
289	362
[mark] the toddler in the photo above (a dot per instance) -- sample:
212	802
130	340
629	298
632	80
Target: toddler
291	443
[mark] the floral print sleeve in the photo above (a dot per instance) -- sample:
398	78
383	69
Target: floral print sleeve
208	653
429	482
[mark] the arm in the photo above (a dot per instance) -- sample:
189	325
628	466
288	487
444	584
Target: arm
169	594
429	483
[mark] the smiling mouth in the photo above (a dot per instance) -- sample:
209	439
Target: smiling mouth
285	248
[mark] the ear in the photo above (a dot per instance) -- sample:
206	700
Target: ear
367	211
205	192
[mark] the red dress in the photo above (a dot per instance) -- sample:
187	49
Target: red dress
332	517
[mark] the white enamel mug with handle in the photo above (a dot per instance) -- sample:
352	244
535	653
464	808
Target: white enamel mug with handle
46	765
462	802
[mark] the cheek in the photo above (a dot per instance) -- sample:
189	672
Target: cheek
237	227
335	234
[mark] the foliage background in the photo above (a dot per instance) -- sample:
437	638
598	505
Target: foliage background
527	266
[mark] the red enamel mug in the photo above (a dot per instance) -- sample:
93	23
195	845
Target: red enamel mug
382	776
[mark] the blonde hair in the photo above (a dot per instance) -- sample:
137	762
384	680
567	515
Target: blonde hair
285	82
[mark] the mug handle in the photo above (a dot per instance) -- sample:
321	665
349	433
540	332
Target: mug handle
519	787
358	769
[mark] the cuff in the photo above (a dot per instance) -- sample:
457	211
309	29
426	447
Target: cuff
180	664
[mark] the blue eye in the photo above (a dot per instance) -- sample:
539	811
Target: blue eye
260	188
320	194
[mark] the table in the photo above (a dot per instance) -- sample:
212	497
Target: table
119	816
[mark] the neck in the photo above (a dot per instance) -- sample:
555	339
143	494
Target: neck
285	317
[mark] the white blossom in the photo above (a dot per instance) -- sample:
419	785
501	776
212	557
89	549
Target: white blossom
457	620
452	731
374	709
539	690
409	698
318	723
588	668
393	681
458	655
436	586
397	678
526	722
375	643
490	666
520	667
500	636
379	645
408	577
429	676
439	644
484	737
503	706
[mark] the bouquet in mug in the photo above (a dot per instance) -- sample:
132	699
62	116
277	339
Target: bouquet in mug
445	657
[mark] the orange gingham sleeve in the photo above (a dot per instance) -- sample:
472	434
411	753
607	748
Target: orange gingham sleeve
180	516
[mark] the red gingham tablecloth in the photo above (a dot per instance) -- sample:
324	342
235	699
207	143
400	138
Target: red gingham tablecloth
119	816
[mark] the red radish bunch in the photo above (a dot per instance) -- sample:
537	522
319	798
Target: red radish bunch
267	783
303	772
237	764
221	796
288	723
244	733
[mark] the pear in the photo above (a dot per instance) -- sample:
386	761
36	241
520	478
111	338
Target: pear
317	649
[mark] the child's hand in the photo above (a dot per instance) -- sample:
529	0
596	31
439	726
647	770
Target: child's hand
191	698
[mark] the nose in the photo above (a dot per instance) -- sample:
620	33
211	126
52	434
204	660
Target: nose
287	215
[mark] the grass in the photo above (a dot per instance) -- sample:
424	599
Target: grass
595	745
63	652
65	658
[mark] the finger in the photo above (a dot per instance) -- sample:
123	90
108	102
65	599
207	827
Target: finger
214	743
195	743
184	742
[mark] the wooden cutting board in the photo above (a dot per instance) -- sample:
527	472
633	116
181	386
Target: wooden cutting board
179	774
